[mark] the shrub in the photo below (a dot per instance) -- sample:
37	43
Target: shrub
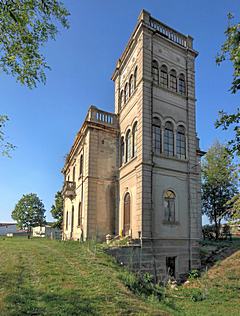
198	296
143	285
208	232
194	274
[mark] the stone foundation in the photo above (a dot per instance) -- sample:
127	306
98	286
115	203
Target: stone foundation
152	257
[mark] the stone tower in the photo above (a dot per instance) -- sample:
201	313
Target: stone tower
136	172
159	172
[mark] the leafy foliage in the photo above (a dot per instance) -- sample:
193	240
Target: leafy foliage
219	185
231	50
25	26
29	212
57	210
5	147
143	285
208	232
234	204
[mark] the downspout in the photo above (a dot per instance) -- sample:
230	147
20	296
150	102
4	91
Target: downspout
188	176
152	215
82	205
117	178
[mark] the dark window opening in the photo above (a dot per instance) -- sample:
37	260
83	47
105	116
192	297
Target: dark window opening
155	72
170	266
182	85
173	80
168	139
164	76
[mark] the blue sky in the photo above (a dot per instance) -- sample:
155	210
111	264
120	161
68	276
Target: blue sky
44	121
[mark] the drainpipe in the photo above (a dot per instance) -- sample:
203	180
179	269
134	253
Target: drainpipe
188	176
152	214
82	231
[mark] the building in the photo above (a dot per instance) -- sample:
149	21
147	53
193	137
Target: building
136	171
46	231
8	228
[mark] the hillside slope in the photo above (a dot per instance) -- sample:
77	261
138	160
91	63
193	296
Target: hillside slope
217	292
42	277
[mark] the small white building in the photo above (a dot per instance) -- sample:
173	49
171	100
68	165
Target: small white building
8	228
46	231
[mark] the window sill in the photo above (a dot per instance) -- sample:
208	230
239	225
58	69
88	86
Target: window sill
162	155
176	223
127	163
184	96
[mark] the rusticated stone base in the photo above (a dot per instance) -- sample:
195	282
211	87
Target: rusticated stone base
152	256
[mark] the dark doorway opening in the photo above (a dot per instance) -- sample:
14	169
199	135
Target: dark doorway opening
171	266
126	215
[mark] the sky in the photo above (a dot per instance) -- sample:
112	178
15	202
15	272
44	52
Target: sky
44	121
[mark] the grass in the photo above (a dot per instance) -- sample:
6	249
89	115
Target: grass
217	292
43	277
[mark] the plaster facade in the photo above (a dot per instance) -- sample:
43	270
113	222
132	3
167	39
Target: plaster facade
140	173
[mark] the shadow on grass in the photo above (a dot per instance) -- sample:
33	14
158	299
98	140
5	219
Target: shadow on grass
24	300
28	301
214	251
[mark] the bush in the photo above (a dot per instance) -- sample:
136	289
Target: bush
208	232
194	274
198	296
143	285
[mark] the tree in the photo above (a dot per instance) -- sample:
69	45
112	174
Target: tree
234	204
57	210
219	184
29	212
25	26
5	147
231	50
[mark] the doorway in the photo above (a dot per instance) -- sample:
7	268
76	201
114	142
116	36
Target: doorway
126	215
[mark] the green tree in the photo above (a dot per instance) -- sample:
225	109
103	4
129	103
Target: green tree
219	184
5	147
29	212
25	26
57	210
234	203
230	50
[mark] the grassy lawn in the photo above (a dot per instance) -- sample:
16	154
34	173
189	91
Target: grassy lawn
43	277
217	292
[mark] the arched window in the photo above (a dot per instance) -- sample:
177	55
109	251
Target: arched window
157	138
164	76
155	72
72	226
122	151
168	139
126	93
81	165
173	80
135	79
79	213
131	85
126	214
66	223
73	175
169	206
121	99
181	142
181	84
134	140
128	146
